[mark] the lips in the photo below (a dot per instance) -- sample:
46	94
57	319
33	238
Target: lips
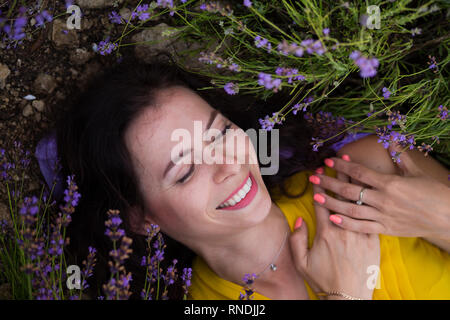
235	191
241	196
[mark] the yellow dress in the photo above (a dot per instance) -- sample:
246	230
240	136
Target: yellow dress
410	268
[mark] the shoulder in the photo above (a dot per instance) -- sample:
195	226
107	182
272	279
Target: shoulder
369	152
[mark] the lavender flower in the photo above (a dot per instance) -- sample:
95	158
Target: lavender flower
292	73
42	17
248	280
247	3
443	112
89	265
141	13
105	47
386	93
186	277
263	43
425	148
231	88
368	67
326	31
269	83
114	17
432	64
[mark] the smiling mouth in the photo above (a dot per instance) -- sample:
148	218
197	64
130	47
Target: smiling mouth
242	196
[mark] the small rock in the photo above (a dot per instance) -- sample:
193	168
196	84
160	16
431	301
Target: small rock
27	111
80	56
62	36
39	105
125	13
158	39
4	73
44	83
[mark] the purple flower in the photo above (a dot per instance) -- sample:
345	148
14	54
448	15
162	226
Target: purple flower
326	31
368	67
231	88
42	17
267	81
443	112
247	3
114	17
263	43
105	47
432	64
386	93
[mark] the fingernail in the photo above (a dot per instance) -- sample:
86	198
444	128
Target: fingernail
329	162
336	219
298	223
319	170
314	179
319	198
346	157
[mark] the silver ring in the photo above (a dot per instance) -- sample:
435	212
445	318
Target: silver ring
361	193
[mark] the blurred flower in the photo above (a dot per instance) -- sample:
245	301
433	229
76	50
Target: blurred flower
247	3
416	31
114	17
231	88
443	112
263	43
42	17
425	148
326	31
432	64
269	83
368	67
292	73
386	93
248	280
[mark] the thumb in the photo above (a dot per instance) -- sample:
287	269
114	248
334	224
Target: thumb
299	245
404	161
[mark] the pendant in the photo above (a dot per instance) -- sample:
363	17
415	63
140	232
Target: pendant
273	267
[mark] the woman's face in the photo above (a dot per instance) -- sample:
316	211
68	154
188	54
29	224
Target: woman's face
183	198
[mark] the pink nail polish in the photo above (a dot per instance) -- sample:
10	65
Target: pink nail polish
336	219
319	198
319	170
314	179
298	223
346	157
329	162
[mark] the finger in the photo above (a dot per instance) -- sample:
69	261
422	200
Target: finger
358	172
322	213
360	226
299	245
347	208
349	191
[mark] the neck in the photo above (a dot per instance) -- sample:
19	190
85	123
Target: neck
253	250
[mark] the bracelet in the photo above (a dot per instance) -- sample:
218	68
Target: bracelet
340	294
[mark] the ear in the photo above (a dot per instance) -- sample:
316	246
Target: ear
139	220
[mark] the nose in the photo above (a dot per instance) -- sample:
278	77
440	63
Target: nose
230	155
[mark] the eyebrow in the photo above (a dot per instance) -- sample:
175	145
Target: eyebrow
212	117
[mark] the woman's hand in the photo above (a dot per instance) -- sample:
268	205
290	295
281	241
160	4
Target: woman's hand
338	260
408	206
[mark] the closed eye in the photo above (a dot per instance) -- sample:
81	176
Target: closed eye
191	170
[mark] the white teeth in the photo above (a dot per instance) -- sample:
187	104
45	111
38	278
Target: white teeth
239	195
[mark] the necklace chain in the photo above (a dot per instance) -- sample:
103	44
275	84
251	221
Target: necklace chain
272	265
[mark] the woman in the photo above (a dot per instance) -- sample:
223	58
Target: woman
116	139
